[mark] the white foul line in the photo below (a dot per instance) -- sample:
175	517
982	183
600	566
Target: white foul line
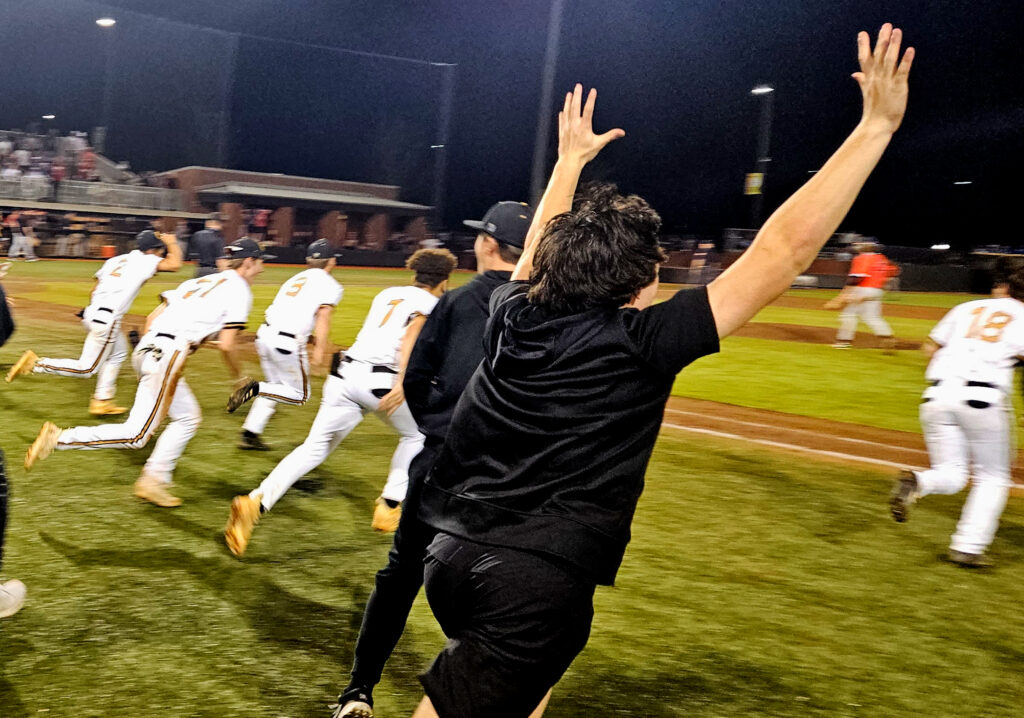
801	431
792	447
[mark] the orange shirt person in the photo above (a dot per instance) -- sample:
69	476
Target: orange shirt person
862	297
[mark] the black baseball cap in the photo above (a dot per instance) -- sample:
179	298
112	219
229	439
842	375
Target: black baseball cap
507	222
320	249
147	240
245	247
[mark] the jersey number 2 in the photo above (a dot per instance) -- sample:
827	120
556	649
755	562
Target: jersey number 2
992	330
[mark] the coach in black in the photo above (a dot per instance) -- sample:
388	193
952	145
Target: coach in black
446	354
534	490
207	246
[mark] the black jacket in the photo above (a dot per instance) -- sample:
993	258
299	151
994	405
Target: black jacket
447	352
6	320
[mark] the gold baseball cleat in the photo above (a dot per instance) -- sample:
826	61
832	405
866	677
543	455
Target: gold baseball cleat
44	444
245	514
105	407
150	488
385	518
25	364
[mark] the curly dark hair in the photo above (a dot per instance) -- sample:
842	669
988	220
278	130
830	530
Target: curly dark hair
1016	282
601	254
432	266
1004	268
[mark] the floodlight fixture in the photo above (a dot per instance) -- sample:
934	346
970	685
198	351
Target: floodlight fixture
106	22
49	117
762	90
963	182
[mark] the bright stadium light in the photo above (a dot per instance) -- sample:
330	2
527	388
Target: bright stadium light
106	22
963	182
762	90
49	117
940	247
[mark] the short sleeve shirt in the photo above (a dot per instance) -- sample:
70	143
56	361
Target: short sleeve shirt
120	279
550	441
295	306
199	308
380	339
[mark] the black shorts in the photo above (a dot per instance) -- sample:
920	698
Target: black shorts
514	622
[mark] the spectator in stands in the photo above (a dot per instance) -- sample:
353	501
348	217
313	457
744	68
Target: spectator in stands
10	170
6	147
87	164
207	246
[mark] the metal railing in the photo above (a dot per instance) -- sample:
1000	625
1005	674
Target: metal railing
40	189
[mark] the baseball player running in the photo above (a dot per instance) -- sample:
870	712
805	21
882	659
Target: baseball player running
118	282
967	416
198	309
303	305
861	300
367	378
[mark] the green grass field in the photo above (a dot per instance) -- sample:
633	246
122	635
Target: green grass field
756	583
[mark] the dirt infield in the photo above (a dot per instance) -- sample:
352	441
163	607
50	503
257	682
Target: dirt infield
811	335
904	311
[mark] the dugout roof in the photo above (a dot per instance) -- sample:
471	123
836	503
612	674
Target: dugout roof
276	195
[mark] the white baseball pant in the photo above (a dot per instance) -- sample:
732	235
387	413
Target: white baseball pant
159	361
344	403
21	246
868	310
969	441
103	353
285	366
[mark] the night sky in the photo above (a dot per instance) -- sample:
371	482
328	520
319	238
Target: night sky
675	75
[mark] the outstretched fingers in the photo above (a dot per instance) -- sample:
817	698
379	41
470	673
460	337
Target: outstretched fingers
588	109
882	44
892	53
908	59
864	51
577	101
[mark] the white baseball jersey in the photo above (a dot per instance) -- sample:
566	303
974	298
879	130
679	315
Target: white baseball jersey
380	339
120	279
295	306
979	341
200	307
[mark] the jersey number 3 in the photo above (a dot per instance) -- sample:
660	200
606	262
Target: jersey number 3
992	330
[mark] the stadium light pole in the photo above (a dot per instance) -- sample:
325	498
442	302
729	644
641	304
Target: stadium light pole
106	23
547	91
764	139
440	146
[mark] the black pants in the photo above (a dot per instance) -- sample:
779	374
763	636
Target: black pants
514	620
397	583
3	504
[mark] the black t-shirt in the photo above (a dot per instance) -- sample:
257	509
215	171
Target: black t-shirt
448	351
549	443
206	246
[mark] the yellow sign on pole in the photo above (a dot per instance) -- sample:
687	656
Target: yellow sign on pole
753	183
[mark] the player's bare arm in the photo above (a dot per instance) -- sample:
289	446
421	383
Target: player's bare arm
226	340
171	262
577	145
390	402
321	329
795	233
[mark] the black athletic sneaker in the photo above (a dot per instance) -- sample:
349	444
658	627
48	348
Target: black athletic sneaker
968	560
355	703
247	390
252	442
904	494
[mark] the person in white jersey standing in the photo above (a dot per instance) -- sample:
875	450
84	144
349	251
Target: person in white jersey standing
967	416
303	306
216	306
368	377
118	282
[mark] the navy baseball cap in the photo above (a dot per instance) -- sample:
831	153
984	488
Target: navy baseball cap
245	247
507	222
147	240
320	249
